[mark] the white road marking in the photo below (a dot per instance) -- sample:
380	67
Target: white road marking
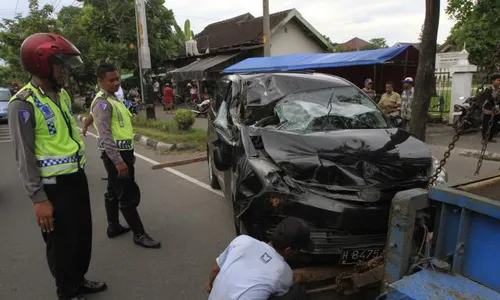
5	141
174	172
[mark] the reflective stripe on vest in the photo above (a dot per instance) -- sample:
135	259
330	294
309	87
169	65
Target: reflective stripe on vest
48	114
59	149
120	144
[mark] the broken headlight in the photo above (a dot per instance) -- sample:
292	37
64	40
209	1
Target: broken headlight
442	177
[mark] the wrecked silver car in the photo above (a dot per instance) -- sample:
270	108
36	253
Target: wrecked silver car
316	147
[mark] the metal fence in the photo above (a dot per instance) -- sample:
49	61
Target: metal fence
440	102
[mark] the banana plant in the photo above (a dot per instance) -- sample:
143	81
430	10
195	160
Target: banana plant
183	35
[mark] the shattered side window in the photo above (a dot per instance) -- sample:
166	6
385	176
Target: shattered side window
221	119
329	109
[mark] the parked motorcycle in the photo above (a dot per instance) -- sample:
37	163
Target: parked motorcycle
473	121
202	108
131	106
89	97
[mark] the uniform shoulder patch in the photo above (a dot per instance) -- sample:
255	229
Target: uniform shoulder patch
24	94
103	105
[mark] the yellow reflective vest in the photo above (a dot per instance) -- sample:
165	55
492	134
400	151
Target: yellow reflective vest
121	123
59	148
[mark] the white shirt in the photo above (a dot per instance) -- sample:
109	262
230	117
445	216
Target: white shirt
119	94
156	86
250	270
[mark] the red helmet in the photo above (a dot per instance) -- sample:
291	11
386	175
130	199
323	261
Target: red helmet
40	50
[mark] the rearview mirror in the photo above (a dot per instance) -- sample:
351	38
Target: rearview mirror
397	121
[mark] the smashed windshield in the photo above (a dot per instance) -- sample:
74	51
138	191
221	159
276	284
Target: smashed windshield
329	109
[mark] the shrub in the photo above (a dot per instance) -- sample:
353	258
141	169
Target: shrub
162	125
184	118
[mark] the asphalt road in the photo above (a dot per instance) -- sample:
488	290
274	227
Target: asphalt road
193	223
178	207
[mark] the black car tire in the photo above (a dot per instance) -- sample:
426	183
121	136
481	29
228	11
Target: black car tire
214	182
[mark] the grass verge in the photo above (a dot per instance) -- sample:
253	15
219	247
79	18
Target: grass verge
167	132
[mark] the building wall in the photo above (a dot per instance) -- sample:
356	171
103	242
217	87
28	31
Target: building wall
291	39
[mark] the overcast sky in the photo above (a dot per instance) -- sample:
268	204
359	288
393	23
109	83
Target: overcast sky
341	20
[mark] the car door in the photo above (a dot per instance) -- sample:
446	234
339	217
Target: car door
218	131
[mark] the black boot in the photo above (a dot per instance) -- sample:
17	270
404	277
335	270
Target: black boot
112	213
92	287
115	230
145	241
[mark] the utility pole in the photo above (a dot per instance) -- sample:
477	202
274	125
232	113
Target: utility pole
147	93
267	29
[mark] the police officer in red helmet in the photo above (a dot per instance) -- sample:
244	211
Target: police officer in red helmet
51	158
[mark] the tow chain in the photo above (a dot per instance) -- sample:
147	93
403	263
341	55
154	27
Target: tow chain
451	146
460	129
485	143
490	124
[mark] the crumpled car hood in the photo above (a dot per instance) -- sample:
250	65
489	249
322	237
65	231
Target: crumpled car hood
331	160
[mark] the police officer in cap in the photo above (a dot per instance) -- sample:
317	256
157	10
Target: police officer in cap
113	123
51	157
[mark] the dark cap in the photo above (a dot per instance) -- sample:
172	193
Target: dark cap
294	233
495	76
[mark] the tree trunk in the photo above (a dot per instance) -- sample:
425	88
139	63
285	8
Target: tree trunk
425	72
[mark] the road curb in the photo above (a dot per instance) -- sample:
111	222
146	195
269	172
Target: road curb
476	153
151	143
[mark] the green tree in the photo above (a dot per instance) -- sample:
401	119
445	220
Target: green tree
477	24
14	31
379	42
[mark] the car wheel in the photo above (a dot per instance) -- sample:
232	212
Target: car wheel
214	182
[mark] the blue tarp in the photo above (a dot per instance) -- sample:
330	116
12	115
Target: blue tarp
315	61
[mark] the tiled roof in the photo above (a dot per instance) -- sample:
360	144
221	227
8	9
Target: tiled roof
241	30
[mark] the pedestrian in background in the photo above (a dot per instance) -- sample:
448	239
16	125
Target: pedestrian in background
390	102
368	89
491	108
51	158
113	123
156	89
406	100
168	98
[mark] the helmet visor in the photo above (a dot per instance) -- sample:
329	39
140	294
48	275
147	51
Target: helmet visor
72	62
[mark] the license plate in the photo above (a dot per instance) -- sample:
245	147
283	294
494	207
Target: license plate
457	113
349	257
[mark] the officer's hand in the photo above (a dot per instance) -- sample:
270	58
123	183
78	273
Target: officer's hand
44	218
122	170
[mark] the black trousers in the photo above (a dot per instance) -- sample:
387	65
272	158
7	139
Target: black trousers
486	124
122	194
296	292
69	246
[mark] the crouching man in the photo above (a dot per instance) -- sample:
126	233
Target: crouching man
251	269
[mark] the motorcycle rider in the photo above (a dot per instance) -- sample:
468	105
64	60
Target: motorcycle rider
491	108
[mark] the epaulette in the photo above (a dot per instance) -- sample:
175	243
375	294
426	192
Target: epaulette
24	94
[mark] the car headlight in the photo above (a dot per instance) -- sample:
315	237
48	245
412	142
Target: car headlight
442	177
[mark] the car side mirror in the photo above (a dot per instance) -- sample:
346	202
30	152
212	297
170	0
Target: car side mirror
222	157
397	121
